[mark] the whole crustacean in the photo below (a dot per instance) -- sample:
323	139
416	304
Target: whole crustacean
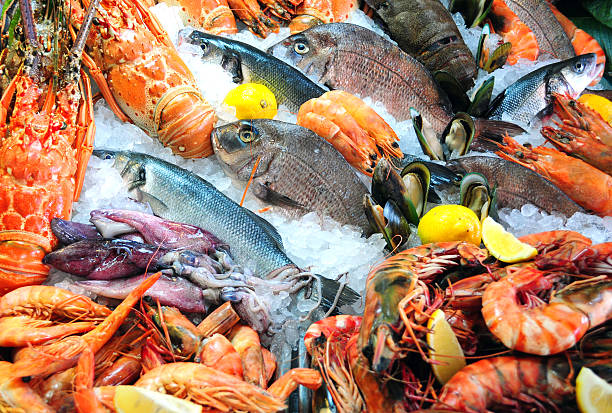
143	79
46	138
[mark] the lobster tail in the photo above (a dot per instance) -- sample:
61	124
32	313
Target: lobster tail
185	124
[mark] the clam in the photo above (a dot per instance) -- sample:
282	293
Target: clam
478	196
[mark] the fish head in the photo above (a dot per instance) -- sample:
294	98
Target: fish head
212	49
238	145
309	51
578	72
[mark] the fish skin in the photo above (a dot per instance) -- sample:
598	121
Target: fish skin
517	185
426	30
296	163
247	64
542	22
354	59
179	195
531	95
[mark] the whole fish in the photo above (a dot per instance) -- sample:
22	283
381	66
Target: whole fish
179	195
352	58
426	30
542	22
247	64
297	169
531	95
517	185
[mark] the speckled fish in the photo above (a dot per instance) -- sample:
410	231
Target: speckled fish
426	30
297	169
247	64
531	95
179	195
357	60
517	185
541	21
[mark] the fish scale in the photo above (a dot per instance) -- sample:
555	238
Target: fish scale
296	163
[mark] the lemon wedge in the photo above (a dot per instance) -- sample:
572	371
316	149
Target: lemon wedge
132	399
252	101
443	347
449	223
599	104
503	245
593	394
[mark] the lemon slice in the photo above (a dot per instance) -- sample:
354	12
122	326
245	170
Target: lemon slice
593	394
252	101
132	399
449	223
599	104
444	347
503	245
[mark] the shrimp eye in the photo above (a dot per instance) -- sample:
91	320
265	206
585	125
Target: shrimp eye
579	67
301	48
246	135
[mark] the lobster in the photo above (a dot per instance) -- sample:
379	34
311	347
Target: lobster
46	138
142	77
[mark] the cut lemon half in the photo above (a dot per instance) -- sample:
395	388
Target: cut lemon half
449	223
252	101
593	394
444	348
503	245
132	399
599	104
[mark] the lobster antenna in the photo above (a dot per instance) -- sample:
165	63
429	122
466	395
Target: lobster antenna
74	62
32	61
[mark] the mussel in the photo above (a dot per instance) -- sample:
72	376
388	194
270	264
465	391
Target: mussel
473	11
398	199
487	60
478	196
455	141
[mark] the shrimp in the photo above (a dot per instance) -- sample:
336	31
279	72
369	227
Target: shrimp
85	399
14	393
269	363
60	355
507	381
551	327
219	321
246	342
513	30
23	331
218	353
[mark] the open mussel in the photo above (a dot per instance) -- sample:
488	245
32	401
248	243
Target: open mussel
389	221
486	59
478	196
473	11
481	99
455	141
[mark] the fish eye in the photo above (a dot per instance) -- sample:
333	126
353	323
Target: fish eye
383	6
108	156
301	48
204	47
247	135
142	174
579	67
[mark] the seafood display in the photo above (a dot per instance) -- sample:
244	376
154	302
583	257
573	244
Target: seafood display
348	207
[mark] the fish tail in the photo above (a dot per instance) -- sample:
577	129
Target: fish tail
496	129
334	294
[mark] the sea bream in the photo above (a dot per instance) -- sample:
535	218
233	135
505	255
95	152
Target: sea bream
179	195
354	59
296	169
248	64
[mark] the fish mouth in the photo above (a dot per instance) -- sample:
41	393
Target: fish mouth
214	139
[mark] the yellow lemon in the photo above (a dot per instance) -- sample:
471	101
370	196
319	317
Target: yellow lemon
449	223
443	347
132	399
593	394
252	101
599	104
503	245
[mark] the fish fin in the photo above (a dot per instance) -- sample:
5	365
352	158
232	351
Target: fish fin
329	290
263	191
159	208
496	129
269	228
231	63
494	104
433	197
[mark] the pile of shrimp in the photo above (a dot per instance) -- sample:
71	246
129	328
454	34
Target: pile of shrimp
528	328
70	353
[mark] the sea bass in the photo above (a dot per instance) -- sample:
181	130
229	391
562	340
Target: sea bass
248	64
542	22
297	169
426	30
517	185
531	95
177	194
357	60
